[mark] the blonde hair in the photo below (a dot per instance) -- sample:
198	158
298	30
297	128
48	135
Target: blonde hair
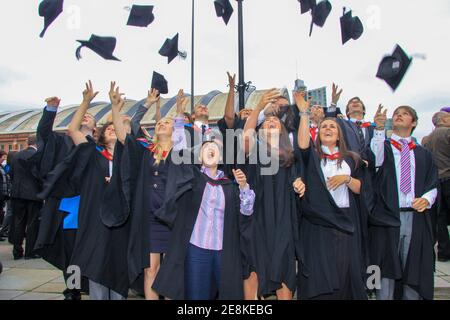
157	148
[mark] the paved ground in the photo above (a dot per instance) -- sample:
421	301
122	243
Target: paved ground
37	280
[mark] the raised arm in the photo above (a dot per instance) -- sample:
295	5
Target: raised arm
335	96
379	135
74	127
229	108
252	121
45	126
152	97
117	103
158	110
303	137
178	136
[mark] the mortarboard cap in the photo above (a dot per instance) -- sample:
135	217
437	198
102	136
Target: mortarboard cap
140	16
320	14
50	10
224	9
159	83
103	46
351	27
393	68
306	5
170	49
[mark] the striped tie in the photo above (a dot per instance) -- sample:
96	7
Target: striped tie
405	168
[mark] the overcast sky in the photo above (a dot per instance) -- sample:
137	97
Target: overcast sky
277	48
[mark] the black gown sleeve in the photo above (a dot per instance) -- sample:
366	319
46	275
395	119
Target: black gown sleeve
136	122
115	205
66	179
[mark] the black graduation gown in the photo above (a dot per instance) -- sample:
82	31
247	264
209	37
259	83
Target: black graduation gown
102	238
184	192
273	241
231	146
384	225
321	220
138	187
52	243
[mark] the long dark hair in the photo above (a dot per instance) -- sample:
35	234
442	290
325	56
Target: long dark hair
101	134
343	151
286	151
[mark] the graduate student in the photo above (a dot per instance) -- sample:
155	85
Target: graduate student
272	171
147	167
330	228
58	227
402	229
92	168
209	214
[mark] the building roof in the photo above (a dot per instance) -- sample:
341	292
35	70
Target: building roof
26	121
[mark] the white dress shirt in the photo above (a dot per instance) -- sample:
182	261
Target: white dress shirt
377	146
330	169
199	125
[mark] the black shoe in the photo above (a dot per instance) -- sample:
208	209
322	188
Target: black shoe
72	294
18	256
2	238
32	256
443	259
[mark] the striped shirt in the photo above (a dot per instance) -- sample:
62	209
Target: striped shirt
208	228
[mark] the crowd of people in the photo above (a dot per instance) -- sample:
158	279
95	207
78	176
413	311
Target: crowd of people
280	199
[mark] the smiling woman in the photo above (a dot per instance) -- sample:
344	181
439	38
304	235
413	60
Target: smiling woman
333	222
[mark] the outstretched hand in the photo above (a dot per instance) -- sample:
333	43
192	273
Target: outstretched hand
231	80
336	94
152	97
301	101
380	118
115	96
53	102
88	93
269	97
181	102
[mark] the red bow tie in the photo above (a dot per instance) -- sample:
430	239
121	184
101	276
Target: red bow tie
412	145
333	156
363	124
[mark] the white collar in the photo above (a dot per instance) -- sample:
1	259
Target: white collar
354	120
398	138
199	124
327	151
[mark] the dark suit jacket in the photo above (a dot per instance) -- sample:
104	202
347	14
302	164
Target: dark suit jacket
355	143
24	184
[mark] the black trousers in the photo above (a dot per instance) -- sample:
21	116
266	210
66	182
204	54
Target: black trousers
26	225
443	214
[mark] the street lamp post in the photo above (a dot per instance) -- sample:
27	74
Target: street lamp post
192	56
241	85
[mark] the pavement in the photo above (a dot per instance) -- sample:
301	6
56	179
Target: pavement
37	280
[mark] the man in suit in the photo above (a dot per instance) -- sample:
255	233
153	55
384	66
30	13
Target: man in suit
357	132
438	143
25	204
